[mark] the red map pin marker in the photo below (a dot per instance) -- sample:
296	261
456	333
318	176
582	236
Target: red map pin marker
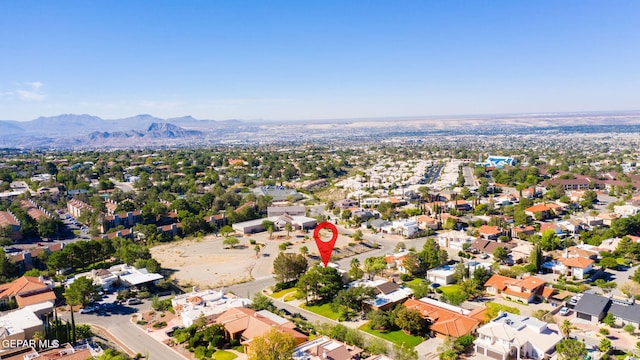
325	247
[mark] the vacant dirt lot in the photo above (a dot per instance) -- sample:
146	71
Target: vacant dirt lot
205	263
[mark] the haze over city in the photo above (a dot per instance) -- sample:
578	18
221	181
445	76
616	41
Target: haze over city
290	60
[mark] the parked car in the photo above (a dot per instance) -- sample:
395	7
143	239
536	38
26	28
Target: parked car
87	310
564	311
134	301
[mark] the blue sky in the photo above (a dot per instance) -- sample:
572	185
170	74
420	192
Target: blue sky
288	60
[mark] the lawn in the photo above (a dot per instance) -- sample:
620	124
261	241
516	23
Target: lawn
281	293
397	337
494	308
450	289
322	310
224	355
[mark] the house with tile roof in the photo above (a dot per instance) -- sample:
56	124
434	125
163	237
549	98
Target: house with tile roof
447	320
543	209
524	290
510	336
75	207
8	219
27	290
323	348
490	232
246	324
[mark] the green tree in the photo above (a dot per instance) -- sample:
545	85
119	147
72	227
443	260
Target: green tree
357	235
404	352
355	272
549	240
410	321
431	256
536	258
274	345
569	349
289	228
231	241
460	272
608	263
289	266
374	266
262	302
500	254
605	345
80	292
609	319
565	328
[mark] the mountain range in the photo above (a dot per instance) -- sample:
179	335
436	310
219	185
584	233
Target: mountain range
70	131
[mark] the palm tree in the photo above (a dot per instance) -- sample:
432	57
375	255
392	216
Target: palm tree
565	328
289	228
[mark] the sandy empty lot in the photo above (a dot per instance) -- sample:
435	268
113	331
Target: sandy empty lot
205	263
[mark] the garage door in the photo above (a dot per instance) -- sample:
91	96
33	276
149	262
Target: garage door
583	316
494	355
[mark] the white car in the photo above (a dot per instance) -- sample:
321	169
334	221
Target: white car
564	311
87	310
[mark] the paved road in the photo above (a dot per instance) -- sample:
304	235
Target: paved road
116	320
469	178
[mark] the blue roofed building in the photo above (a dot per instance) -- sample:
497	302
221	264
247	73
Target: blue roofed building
498	162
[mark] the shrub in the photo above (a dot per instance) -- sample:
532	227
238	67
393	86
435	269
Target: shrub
406	277
141	322
604	331
160	324
252	241
629	328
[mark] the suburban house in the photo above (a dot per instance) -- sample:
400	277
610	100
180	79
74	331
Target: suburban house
490	232
445	319
425	222
510	336
489	246
542	209
577	266
454	240
559	232
405	228
626	313
595	307
324	347
207	303
626	210
388	293
246	324
524	290
27	290
521	232
21	324
592	307
442	275
396	261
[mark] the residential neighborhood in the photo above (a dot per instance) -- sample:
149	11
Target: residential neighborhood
432	265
